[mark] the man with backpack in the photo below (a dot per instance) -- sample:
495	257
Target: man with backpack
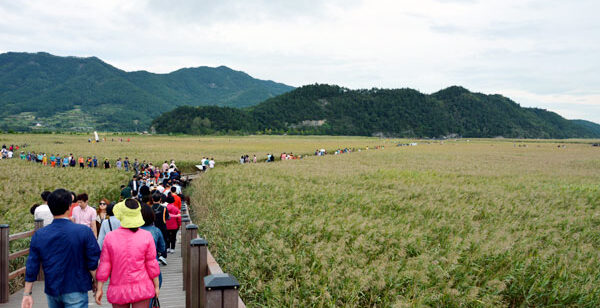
161	215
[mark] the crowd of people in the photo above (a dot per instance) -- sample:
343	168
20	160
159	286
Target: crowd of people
124	241
8	152
245	159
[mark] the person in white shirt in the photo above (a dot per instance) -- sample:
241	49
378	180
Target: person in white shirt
177	188
43	211
211	163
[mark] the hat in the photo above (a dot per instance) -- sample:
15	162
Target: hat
130	218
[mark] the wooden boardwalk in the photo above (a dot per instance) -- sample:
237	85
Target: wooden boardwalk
171	292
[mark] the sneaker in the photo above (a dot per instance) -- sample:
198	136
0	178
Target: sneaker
171	250
162	260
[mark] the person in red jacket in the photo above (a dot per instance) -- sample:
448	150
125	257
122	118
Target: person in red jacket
177	202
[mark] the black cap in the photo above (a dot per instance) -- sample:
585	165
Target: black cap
220	282
198	242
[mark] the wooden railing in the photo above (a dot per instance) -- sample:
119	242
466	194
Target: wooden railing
205	284
6	257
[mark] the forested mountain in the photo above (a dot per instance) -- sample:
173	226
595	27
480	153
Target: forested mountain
333	110
70	93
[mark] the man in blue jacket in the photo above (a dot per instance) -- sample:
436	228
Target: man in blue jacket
69	255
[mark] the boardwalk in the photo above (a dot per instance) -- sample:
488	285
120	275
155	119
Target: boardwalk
171	294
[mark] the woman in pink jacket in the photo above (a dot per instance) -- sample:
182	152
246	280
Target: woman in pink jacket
129	258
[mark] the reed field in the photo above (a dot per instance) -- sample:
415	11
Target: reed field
479	223
461	224
22	182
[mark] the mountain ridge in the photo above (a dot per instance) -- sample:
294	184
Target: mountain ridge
333	110
92	94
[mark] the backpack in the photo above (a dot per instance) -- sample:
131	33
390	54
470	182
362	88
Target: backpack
157	211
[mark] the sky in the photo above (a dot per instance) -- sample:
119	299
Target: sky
540	53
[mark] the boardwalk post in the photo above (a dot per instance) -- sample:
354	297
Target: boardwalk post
190	233
198	269
184	222
4	249
39	223
221	291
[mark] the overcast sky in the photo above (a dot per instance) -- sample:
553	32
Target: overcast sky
540	53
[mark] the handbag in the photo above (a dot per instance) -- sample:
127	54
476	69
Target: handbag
155	302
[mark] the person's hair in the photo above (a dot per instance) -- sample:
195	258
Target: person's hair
74	196
45	195
157	196
146	198
82	197
170	198
109	209
59	201
144	190
132	203
122	186
98	209
33	207
173	189
148	215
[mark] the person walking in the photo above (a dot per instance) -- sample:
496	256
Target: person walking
159	240
134	271
101	212
109	224
84	214
160	221
69	254
43	211
173	223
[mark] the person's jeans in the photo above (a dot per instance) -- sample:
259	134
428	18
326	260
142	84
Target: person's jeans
68	300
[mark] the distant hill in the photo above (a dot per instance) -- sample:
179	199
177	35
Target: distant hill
333	110
70	93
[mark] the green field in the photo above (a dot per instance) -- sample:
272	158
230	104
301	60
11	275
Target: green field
479	223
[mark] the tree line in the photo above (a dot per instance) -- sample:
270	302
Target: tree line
321	109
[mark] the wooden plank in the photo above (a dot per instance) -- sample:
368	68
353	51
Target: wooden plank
214	298
16	273
18	236
17	254
230	298
213	266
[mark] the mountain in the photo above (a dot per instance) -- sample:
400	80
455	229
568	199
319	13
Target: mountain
71	93
333	110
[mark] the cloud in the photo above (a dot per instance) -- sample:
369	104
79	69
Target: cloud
536	49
